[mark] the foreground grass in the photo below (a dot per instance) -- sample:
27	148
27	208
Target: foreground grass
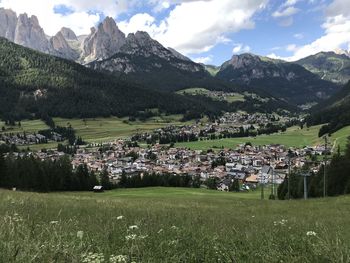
171	225
293	137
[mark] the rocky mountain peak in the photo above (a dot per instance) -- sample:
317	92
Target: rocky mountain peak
62	48
242	61
140	43
68	34
8	22
102	42
28	33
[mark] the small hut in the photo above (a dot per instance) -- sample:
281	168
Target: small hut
98	189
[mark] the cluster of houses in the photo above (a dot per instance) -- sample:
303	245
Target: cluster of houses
21	139
227	126
248	164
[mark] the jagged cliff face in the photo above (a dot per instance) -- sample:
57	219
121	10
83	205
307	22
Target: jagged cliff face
24	30
62	48
106	44
68	34
29	34
102	42
141	53
8	23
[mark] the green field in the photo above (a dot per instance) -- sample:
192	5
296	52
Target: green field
202	91
340	138
26	125
171	225
106	129
293	137
97	129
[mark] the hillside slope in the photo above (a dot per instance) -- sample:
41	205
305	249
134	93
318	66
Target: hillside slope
281	79
328	66
34	83
335	111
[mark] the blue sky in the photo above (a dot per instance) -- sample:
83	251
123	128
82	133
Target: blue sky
209	31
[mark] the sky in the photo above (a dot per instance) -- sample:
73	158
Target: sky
209	31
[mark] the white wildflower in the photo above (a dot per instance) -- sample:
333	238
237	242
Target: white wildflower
118	258
120	217
131	237
53	222
133	227
93	258
311	233
173	242
80	234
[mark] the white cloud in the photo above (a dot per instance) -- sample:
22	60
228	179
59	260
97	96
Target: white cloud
240	48
274	56
285	13
204	60
197	26
141	22
289	11
290	2
336	31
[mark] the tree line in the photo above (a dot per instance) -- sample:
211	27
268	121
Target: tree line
337	179
32	174
28	173
164	180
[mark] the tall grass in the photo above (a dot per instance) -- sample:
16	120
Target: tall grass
171	228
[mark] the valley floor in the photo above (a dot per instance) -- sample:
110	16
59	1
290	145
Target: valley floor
171	225
107	129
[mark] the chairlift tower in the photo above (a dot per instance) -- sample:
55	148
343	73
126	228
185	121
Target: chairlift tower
325	166
305	175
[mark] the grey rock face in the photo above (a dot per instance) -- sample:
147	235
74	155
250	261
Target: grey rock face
178	54
102	42
8	22
28	33
60	45
68	34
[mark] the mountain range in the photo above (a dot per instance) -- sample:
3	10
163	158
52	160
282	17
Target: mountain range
149	70
33	84
289	81
331	66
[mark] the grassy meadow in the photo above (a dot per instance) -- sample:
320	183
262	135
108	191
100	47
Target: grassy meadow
201	91
106	129
171	225
26	126
293	137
